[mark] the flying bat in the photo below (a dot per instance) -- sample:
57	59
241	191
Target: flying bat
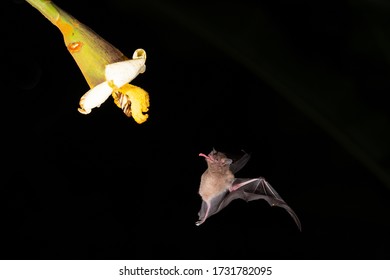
219	187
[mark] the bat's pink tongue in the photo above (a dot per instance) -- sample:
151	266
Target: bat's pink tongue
205	156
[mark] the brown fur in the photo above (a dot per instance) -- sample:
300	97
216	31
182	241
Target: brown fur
217	178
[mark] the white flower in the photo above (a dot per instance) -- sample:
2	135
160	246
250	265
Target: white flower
117	75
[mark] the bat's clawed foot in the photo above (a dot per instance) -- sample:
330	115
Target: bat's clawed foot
198	223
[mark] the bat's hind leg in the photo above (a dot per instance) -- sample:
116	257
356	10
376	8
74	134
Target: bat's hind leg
204	211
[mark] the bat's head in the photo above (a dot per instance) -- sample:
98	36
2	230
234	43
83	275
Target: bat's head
216	159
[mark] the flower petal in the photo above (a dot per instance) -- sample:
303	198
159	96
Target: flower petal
140	54
123	72
134	101
94	97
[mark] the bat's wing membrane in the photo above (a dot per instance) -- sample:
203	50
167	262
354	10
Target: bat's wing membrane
211	209
238	164
256	189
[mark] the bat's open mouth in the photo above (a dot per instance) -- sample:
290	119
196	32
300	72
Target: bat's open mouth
206	157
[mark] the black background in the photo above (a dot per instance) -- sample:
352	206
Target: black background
281	80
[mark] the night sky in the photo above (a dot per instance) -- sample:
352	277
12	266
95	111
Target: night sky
300	85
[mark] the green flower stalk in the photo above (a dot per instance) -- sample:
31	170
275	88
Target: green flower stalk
106	69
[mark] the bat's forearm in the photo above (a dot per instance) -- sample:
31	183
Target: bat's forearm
237	186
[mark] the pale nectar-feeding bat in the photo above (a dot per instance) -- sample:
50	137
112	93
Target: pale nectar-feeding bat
219	187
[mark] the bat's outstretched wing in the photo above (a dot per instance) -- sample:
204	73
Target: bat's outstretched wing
238	164
248	190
